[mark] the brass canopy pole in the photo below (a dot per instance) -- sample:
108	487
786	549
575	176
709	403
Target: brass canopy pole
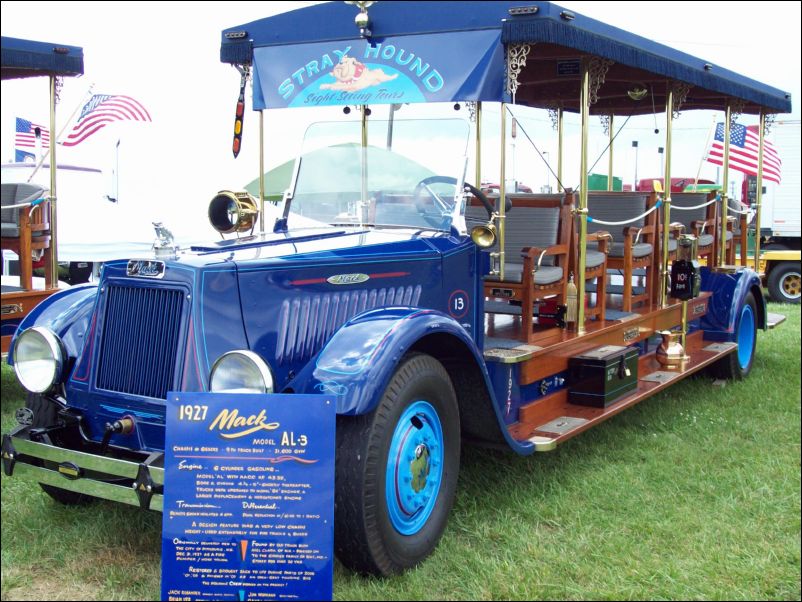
666	198
502	192
364	199
610	155
582	211
724	197
560	150
262	172
53	283
684	332
759	197
478	180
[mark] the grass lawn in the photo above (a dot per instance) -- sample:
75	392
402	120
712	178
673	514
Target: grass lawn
692	494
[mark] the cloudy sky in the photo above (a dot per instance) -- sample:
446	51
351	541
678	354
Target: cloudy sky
166	55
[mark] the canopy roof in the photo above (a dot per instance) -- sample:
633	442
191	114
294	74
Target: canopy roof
559	40
26	58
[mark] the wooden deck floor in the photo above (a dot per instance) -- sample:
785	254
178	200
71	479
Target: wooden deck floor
550	420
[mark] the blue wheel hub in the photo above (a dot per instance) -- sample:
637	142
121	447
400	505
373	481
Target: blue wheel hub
414	468
746	336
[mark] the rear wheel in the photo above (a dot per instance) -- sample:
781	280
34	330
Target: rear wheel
45	414
738	364
397	471
784	283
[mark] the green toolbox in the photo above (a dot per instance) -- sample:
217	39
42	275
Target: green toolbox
602	375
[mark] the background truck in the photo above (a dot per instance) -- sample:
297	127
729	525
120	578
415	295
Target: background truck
780	228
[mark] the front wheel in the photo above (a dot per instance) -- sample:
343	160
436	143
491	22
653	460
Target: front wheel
396	471
738	364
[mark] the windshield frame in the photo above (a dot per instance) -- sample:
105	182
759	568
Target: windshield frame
450	203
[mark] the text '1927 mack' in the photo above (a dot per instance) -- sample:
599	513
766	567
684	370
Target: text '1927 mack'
436	314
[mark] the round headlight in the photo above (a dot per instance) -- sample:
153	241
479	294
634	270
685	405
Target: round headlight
240	372
38	359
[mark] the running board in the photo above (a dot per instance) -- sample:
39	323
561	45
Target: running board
774	320
552	420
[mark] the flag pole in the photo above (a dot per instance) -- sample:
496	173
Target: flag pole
66	123
52	259
759	191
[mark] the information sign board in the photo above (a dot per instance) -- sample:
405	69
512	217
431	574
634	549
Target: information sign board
248	497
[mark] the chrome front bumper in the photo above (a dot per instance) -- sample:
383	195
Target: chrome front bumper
135	483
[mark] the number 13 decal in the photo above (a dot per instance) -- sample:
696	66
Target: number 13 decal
458	304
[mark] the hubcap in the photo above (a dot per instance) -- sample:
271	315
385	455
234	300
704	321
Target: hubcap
791	285
414	468
746	336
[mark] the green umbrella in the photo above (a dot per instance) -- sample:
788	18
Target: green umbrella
337	169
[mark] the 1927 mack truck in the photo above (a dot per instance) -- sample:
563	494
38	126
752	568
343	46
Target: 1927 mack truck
434	314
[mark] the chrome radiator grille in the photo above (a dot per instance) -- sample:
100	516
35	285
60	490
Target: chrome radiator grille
140	340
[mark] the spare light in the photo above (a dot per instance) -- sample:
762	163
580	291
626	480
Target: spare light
233	212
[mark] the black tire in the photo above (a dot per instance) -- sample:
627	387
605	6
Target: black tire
784	282
45	413
367	534
738	364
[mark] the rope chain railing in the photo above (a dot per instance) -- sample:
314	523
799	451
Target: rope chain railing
628	221
710	202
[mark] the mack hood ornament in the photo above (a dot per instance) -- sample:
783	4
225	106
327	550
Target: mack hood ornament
164	245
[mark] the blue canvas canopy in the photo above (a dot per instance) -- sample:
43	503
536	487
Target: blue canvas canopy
28	58
448	51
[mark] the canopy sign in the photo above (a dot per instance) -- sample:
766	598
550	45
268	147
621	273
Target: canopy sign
421	68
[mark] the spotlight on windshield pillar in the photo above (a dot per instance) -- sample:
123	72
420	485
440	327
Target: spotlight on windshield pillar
347	110
457	106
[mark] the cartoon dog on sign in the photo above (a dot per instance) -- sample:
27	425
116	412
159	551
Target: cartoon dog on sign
351	75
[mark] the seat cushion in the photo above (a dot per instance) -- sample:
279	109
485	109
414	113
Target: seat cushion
545	275
705	240
642	249
548	274
593	259
10	230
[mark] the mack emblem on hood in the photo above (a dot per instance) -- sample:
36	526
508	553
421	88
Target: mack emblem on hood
146	268
348	279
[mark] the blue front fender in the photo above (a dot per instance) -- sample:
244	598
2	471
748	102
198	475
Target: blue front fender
358	362
66	313
725	305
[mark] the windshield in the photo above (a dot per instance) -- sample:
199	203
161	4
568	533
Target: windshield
409	174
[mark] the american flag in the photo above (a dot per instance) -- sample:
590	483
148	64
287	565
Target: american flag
744	145
103	109
26	134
